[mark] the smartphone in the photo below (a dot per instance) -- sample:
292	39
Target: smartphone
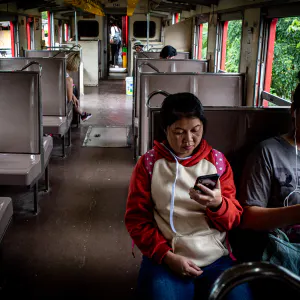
209	181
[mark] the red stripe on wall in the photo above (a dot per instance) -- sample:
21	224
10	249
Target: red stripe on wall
12	38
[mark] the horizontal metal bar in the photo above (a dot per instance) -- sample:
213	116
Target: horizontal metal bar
149	65
274	99
156	92
32	63
196	73
66	50
142	53
238	109
252	271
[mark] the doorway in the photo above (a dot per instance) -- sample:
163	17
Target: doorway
117	35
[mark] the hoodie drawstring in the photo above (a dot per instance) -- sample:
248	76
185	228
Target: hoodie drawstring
173	187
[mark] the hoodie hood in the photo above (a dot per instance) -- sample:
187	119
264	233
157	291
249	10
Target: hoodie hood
201	152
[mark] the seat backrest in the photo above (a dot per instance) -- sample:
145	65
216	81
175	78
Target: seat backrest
171	65
20	113
233	131
180	55
229	129
53	82
213	89
58	53
53	86
43	53
165	65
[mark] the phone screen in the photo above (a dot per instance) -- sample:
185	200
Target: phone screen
209	181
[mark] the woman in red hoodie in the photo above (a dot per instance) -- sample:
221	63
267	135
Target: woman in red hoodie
182	231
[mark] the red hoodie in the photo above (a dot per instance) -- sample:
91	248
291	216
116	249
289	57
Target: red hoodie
200	232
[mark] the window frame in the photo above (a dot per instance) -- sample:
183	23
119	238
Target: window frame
223	36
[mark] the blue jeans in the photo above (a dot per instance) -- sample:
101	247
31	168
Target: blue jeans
158	282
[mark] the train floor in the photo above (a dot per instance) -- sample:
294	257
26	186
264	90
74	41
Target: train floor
78	246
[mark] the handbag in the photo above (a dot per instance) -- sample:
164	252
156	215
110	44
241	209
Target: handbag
280	251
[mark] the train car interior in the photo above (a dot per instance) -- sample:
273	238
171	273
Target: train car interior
82	84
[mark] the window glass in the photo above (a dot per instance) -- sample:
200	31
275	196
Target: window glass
140	29
88	29
233	45
286	62
204	40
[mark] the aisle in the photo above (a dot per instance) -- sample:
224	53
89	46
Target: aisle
78	246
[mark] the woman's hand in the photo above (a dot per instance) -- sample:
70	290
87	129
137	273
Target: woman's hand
181	265
210	198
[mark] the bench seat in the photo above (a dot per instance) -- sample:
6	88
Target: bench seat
24	169
6	212
57	125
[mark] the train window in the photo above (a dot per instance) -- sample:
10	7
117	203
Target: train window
283	60
202	34
45	39
231	45
88	29
204	40
66	32
5	40
140	29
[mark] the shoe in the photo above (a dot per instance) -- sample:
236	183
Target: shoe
85	116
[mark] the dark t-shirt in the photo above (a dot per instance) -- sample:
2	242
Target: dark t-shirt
270	176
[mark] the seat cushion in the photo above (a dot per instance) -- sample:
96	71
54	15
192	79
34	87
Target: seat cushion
6	212
57	125
19	169
24	169
48	146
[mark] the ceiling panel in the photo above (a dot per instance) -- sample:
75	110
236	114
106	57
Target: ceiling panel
180	5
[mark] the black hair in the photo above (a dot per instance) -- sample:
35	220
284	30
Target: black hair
296	96
168	51
181	105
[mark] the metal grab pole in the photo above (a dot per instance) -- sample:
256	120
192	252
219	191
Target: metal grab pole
52	30
76	28
148	30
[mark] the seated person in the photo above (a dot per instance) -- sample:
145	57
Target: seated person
270	180
73	63
168	52
182	231
138	46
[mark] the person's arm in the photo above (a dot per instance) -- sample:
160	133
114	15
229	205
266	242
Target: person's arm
262	218
229	214
139	216
112	32
69	82
256	192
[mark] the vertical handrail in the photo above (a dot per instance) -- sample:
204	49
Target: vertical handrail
76	27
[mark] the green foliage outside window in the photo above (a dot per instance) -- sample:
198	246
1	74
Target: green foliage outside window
44	15
286	63
204	40
233	46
